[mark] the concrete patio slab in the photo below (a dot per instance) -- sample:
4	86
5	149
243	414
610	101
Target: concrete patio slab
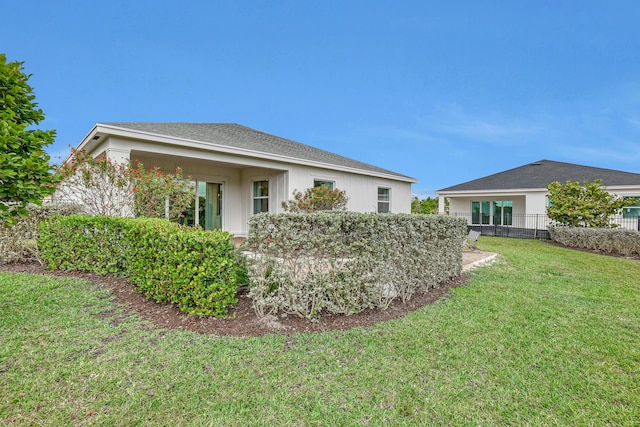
473	259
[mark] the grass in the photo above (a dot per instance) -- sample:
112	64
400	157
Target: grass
546	336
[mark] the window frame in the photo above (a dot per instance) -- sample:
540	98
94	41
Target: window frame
631	211
317	182
485	212
382	202
262	197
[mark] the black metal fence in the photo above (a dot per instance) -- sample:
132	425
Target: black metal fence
528	226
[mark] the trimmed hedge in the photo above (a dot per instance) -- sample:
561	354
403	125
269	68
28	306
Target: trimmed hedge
170	263
609	240
18	242
344	262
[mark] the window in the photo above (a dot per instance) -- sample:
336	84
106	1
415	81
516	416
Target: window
206	208
480	212
260	196
321	183
503	212
631	211
384	200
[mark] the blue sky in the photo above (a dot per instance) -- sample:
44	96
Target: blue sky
443	91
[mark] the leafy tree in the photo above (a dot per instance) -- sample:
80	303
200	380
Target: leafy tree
317	199
113	189
25	174
424	206
586	205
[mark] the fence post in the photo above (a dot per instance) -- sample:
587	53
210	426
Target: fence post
639	223
535	229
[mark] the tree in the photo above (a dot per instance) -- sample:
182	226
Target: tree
317	199
25	173
424	206
114	189
586	205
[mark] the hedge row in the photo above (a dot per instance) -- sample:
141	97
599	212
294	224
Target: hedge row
344	262
609	240
194	269
18	242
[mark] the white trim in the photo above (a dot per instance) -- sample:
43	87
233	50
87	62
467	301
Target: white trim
378	198
322	180
253	195
520	191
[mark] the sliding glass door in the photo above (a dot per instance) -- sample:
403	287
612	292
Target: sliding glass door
206	209
213	206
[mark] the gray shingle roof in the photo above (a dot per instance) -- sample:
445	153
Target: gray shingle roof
242	137
541	173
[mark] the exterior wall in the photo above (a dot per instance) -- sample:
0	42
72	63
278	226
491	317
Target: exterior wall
229	177
536	203
530	207
361	190
277	192
238	173
628	191
462	204
532	202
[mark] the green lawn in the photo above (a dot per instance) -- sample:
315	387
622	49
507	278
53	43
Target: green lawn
545	336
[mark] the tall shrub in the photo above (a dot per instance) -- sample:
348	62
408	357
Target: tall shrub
191	268
25	173
315	199
611	241
586	205
100	185
114	189
153	189
18	242
344	262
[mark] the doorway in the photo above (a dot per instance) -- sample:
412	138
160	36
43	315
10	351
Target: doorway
205	210
213	206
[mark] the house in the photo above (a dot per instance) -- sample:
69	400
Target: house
518	197
239	171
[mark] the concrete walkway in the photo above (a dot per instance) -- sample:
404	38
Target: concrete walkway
473	259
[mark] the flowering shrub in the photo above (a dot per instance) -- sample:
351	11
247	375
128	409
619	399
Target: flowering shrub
114	189
102	187
152	188
317	199
608	240
194	269
18	242
344	262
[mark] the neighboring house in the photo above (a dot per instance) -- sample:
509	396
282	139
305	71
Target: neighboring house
518	197
240	171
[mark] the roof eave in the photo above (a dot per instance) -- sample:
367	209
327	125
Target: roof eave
514	191
101	128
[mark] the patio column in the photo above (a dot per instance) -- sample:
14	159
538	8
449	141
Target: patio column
121	156
441	205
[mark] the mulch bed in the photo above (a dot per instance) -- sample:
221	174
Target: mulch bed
243	320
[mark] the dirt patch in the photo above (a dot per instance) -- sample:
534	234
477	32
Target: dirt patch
243	321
